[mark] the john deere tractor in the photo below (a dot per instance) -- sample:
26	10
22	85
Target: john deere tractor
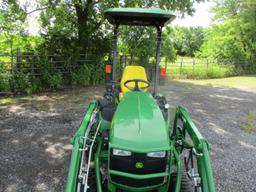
125	141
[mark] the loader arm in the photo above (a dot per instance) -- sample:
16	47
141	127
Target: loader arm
78	141
199	146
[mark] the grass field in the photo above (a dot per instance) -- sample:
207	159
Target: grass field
245	82
191	68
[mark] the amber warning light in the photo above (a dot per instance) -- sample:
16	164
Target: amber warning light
163	72
108	69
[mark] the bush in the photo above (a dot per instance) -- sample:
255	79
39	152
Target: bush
81	76
198	74
36	85
98	74
52	80
217	71
53	72
4	84
214	71
20	84
50	77
55	81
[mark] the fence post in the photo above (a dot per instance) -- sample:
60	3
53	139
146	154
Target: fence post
18	59
86	56
181	65
33	66
166	60
194	65
12	64
207	65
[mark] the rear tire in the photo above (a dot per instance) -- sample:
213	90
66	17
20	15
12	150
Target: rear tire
186	183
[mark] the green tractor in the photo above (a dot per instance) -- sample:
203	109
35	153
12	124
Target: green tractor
125	142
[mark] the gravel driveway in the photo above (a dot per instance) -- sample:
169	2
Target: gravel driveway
35	133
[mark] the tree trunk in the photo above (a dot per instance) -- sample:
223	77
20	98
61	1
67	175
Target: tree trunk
82	12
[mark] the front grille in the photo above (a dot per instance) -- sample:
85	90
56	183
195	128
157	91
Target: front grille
136	182
128	165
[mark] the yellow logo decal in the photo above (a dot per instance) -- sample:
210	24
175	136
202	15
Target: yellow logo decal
139	165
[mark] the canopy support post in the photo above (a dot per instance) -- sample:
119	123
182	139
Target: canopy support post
115	53
158	55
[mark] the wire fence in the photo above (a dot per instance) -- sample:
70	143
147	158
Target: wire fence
189	67
34	64
185	67
77	67
24	73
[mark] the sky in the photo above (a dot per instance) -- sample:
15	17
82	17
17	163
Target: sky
202	17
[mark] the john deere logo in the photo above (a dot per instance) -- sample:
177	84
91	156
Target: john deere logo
139	165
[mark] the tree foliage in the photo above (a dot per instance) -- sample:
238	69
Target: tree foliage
168	49
74	27
187	40
12	18
233	35
78	26
70	26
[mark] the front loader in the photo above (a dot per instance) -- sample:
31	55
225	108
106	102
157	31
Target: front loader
126	142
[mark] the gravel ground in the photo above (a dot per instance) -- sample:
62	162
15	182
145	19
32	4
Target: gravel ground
35	133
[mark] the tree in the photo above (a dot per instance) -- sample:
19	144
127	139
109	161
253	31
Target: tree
233	35
85	21
12	21
74	27
138	43
168	50
187	40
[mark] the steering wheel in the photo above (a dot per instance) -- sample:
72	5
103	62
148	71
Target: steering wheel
136	82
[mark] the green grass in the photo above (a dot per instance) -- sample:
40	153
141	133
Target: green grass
250	122
190	68
246	82
18	100
13	100
76	107
40	106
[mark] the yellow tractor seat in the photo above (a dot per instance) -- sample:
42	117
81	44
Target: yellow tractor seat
129	73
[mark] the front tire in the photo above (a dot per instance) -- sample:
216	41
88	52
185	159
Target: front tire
186	183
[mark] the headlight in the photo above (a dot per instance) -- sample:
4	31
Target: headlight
119	152
158	154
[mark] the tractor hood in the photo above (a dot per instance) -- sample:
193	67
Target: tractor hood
138	124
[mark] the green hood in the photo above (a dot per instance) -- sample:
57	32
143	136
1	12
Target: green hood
138	124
